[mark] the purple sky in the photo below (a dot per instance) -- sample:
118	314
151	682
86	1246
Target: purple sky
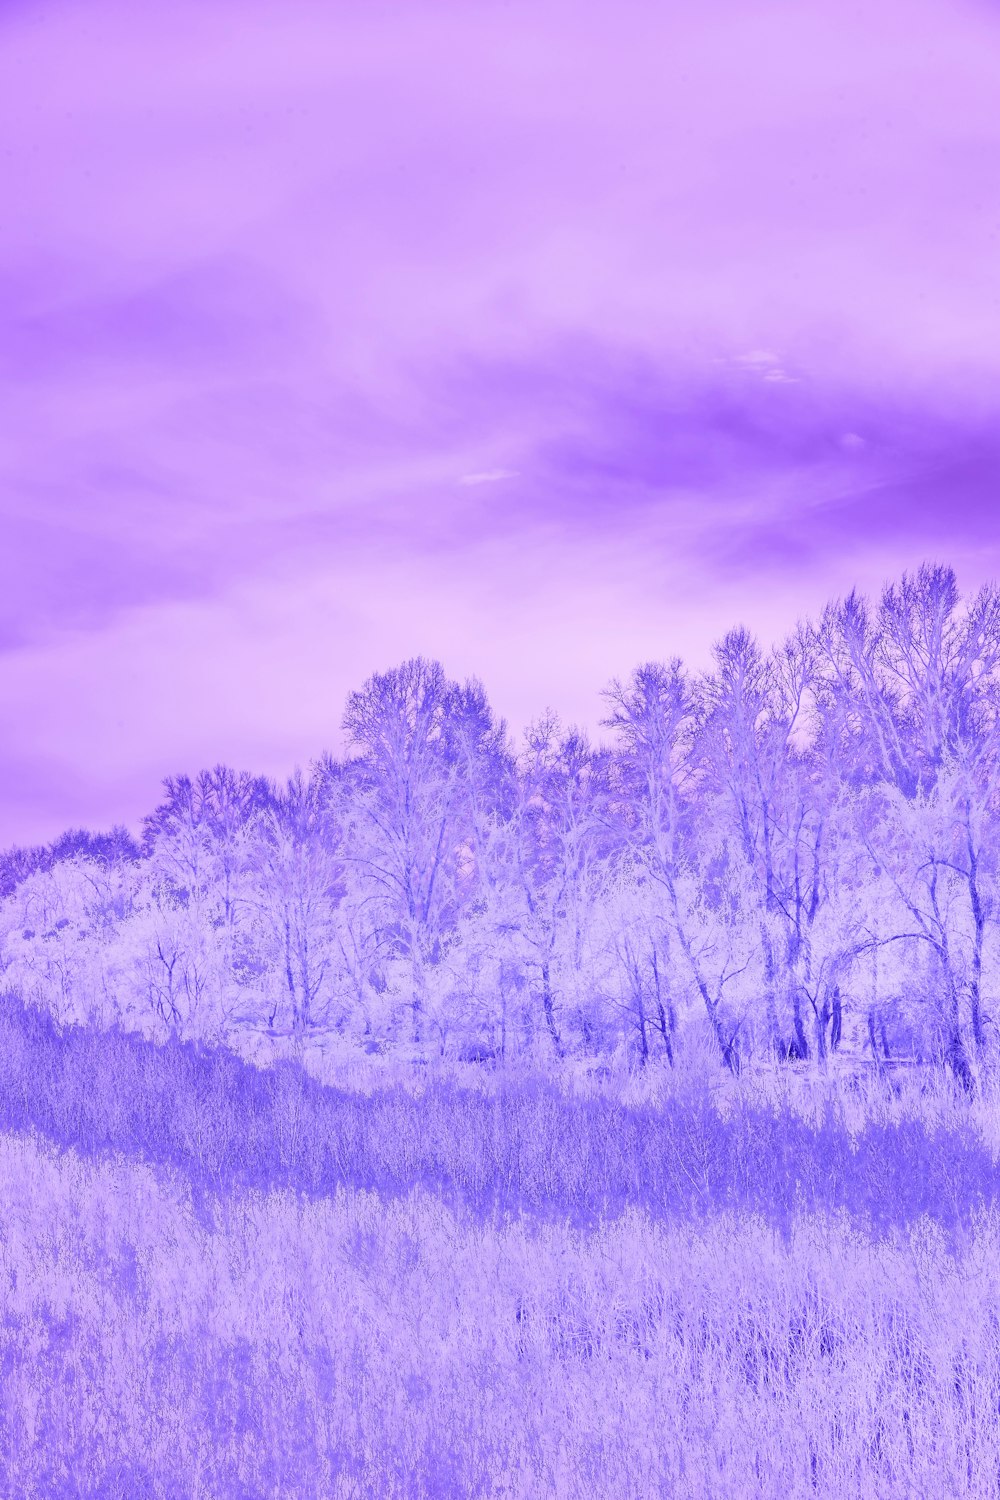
540	338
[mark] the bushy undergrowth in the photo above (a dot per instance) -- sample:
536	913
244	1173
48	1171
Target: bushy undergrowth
262	1345
518	1147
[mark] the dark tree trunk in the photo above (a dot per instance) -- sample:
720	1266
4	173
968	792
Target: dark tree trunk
837	1019
957	1058
775	1042
873	1039
643	1038
799	1025
979	926
665	1015
549	1009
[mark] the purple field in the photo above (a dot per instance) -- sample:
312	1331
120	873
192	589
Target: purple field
267	1345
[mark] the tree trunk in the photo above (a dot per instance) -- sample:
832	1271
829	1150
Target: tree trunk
956	1053
549	1009
837	1019
799	1025
643	1038
822	1020
417	997
770	994
957	1059
666	1031
503	1022
979	929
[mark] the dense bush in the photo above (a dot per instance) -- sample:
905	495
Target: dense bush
521	1146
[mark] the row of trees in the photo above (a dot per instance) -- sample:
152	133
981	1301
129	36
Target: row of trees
794	853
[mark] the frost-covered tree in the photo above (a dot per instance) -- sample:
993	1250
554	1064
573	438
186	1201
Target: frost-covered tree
428	764
298	886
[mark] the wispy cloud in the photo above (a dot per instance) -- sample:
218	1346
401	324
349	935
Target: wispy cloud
488	476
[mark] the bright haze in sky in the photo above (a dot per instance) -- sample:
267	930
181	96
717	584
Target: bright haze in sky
542	339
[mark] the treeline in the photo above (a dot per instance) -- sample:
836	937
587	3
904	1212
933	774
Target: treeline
18	863
791	855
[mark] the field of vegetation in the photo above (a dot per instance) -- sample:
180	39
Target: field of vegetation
219	1280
